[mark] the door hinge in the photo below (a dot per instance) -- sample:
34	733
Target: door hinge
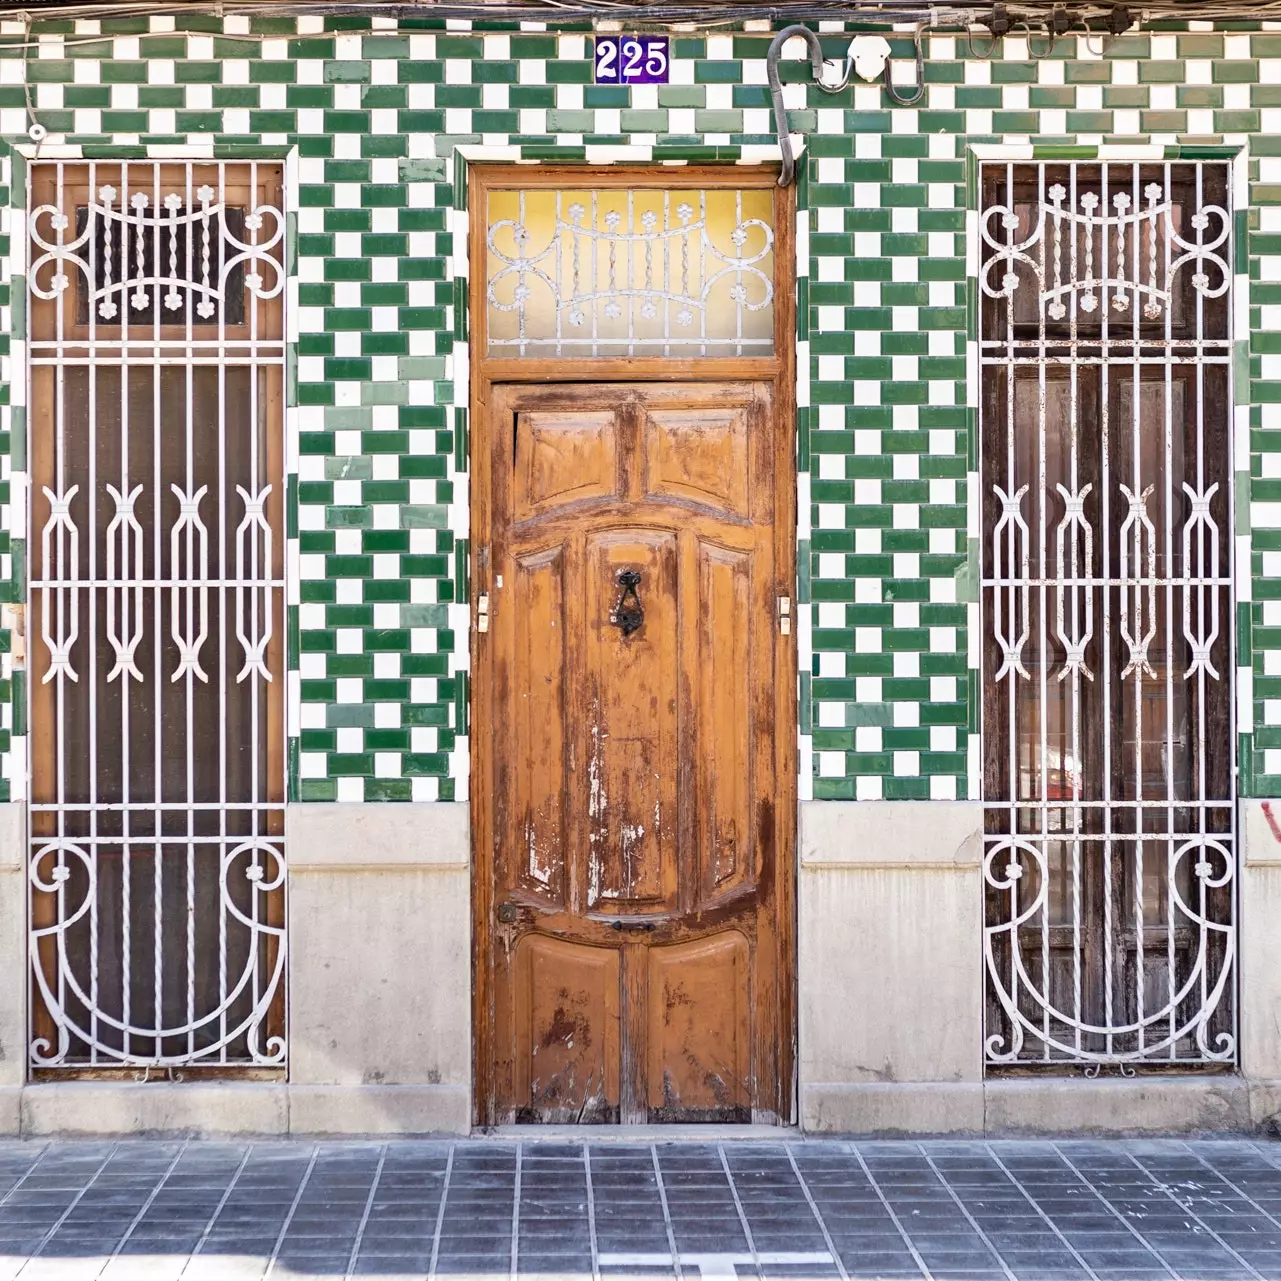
785	615
482	612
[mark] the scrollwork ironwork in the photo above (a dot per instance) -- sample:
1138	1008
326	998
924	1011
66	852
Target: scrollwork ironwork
601	277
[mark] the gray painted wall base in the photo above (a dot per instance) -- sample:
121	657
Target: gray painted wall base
1045	1105
227	1108
890	992
1022	1106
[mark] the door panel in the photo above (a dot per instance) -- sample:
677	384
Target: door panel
699	1027
564	458
631	725
725	710
700	456
565	1018
538	587
631	951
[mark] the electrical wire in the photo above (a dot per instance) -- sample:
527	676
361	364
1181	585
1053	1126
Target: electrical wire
1054	18
35	130
702	12
892	90
959	14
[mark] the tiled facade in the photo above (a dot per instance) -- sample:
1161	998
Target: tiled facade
378	122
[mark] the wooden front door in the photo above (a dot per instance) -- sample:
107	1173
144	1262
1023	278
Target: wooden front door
633	904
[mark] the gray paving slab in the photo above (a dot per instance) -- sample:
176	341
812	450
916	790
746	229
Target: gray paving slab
796	1210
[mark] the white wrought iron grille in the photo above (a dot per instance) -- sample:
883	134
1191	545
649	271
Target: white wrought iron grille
1110	859
630	271
156	862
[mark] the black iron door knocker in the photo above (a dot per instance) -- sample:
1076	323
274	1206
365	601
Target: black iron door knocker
628	615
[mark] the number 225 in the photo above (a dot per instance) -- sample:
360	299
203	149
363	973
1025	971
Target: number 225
622	60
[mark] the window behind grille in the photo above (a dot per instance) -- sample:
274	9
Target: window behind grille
1108	663
157	616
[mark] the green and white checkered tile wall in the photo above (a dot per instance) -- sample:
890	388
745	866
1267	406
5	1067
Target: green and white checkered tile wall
377	119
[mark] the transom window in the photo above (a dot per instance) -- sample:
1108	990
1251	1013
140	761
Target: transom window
630	271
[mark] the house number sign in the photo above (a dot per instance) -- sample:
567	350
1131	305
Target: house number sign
631	60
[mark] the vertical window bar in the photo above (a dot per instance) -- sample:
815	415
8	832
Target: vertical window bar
224	571
594	287
632	313
94	849
126	739
194	571
1077	883
1144	597
1105	395
667	271
1167	383
1015	778
1042	666
251	534
158	848
1200	599
64	575
557	262
738	274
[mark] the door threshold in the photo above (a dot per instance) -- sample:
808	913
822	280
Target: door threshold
677	1133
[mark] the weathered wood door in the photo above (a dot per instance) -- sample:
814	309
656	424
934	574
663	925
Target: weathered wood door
631	958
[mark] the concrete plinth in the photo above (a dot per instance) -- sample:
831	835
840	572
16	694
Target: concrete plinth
890	979
890	988
379	994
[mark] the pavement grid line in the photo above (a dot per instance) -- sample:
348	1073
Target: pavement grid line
944	1210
